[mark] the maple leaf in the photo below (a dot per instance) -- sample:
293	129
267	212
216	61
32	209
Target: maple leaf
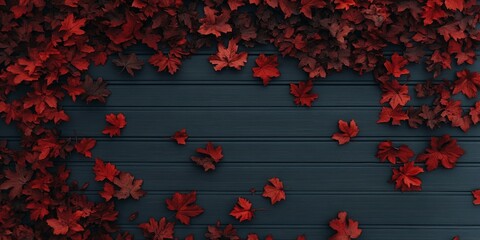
345	230
475	113
274	190
344	4
395	115
210	150
74	88
228	233
243	210
228	57
266	68
128	186
454	4
130	62
213	24
162	62
65	222
159	230
433	11
85	145
394	93
95	90
307	6
406	179
433	116
206	162
349	131
476	197
396	66
180	136
116	122
108	191
184	204
16	180
467	82
72	26
443	150
302	94
104	170
386	151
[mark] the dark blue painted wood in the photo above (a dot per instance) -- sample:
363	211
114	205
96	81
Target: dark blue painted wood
264	135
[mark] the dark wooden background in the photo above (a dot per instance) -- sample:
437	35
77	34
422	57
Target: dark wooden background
263	135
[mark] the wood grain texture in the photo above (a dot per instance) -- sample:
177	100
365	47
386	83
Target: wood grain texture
264	134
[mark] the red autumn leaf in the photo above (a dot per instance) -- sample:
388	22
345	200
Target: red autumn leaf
163	62
85	145
346	230
184	204
129	63
252	236
206	162
104	170
108	191
476	196
72	26
475	113
394	93
16	180
433	117
454	4
467	83
216	233
161	230
213	24
406	179
348	131
180	136
395	115
433	12
274	190
344	4
266	68
307	6
443	150
95	90
210	150
302	94
396	66
301	237
66	221
386	151
228	57
243	210
129	186
116	122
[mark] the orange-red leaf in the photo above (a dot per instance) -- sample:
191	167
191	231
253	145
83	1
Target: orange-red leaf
274	190
243	210
184	204
348	131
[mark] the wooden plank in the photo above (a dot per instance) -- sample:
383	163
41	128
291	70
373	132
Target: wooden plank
308	209
258	151
198	68
245	96
334	178
322	232
242	122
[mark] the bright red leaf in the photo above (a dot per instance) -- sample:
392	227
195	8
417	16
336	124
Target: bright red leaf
65	222
348	131
302	94
396	66
274	190
386	151
210	150
467	83
394	93
443	150
346	228
72	27
213	24
104	170
85	145
243	210
476	196
180	136
267	68
228	57
308	5
395	115
406	179
184	205
116	122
